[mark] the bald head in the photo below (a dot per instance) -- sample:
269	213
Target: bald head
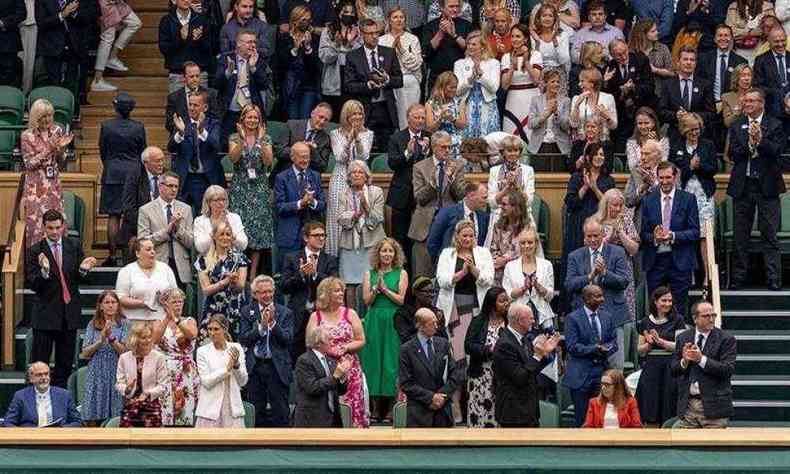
425	320
38	376
520	318
300	155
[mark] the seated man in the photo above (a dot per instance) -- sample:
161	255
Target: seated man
472	207
320	381
428	375
40	404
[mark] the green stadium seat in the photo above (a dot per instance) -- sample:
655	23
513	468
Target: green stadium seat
227	165
345	414
12	106
542	215
549	415
76	384
278	132
332	125
74	209
619	167
378	163
62	101
670	423
8	146
112	422
399	415
330	167
249	415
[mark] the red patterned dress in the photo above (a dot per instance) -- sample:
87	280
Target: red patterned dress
178	403
42	178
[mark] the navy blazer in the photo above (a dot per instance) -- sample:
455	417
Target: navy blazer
768	157
585	362
684	223
441	234
176	50
613	282
208	152
766	75
290	218
280	338
22	410
225	82
357	74
706	67
708	163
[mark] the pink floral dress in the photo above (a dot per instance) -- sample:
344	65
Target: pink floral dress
356	391
42	179
178	403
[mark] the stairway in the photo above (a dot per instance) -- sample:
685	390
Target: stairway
760	322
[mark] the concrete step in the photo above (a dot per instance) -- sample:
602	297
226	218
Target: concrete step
153	135
761	387
763	364
140	6
762	342
151	99
755	300
762	410
142	50
755	319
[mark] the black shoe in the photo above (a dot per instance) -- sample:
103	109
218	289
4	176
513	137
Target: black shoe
774	286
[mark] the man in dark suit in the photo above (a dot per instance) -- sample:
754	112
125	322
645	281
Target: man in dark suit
140	188
428	375
772	73
311	131
444	40
630	81
63	40
716	66
320	381
703	364
298	198
55	267
266	332
40	404
590	339
670	237
518	359
406	147
302	271
756	182
184	35
685	93
195	148
601	264
240	80
12	14
473	207
372	73
177	101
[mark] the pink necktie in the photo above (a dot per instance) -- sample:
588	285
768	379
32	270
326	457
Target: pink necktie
666	214
59	259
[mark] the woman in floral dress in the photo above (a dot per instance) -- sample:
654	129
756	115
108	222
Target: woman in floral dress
444	111
43	145
478	82
174	337
346	338
250	151
222	274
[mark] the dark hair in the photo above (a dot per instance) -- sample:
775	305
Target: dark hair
723	26
470	187
657	294
188	64
593	5
311	226
489	301
368	22
591	150
51	215
99	314
524	29
687	48
667	165
246	31
336	25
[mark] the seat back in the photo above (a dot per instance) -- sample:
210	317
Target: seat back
278	132
378	163
549	415
542	215
12	106
74	210
399	415
345	414
76	384
249	415
8	146
62	101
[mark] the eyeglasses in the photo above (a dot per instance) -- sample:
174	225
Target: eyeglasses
171	185
711	315
607	384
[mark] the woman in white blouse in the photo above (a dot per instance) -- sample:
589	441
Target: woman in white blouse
552	42
350	141
478	82
407	47
521	71
140	283
222	373
647	128
510	175
592	103
214	211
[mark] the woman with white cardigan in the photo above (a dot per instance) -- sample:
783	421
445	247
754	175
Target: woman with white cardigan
213	212
592	104
478	83
511	175
222	374
407	47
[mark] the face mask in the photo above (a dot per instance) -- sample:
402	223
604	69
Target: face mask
348	20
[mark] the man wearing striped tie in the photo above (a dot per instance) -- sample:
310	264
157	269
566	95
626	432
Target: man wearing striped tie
55	267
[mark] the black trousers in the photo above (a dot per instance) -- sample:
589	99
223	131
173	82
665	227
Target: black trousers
9	73
769	218
65	345
171	262
581	400
65	71
664	272
380	122
265	387
400	220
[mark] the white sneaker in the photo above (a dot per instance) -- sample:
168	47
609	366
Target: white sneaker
116	64
102	86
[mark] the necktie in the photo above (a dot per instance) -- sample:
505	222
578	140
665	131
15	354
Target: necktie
780	61
429	352
720	86
194	163
624	72
300	180
310	135
686	94
169	215
440	182
595	254
154	187
59	259
330	399
700	341
242	83
596	326
471	217
666	213
373	62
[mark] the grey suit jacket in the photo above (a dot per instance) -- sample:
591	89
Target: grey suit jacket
312	391
559	123
152	222
370	226
426	195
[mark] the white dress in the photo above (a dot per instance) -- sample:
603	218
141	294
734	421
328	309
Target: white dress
520	94
338	183
410	58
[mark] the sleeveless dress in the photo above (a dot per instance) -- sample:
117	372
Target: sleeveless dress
356	392
381	354
481	389
184	380
102	401
226	302
454	106
656	392
250	195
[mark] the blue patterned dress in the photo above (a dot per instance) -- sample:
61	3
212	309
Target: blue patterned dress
102	401
454	107
250	194
482	116
227	302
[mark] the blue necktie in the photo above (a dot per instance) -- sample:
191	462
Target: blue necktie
595	326
429	353
440	182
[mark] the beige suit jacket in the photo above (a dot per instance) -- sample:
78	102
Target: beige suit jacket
426	195
152	222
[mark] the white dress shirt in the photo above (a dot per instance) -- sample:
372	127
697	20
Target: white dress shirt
44	407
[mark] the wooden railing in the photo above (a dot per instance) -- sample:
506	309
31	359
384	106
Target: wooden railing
12	274
713	270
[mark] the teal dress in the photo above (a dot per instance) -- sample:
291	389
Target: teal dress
381	354
251	196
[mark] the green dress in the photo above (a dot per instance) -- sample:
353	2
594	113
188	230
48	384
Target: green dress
380	356
251	196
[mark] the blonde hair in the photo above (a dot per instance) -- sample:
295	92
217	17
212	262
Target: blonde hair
220	319
588	49
212	192
736	75
602	214
40	108
688	121
136	332
323	290
211	257
375	259
485	47
593	75
536	23
251	108
461	225
296	16
349	108
441	84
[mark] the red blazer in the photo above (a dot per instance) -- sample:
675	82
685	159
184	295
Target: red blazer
628	415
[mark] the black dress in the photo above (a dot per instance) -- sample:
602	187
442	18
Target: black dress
656	392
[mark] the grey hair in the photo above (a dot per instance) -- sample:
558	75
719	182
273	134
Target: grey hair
441	136
261	279
211	192
148	152
651	145
30	368
514	311
316	337
361	165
